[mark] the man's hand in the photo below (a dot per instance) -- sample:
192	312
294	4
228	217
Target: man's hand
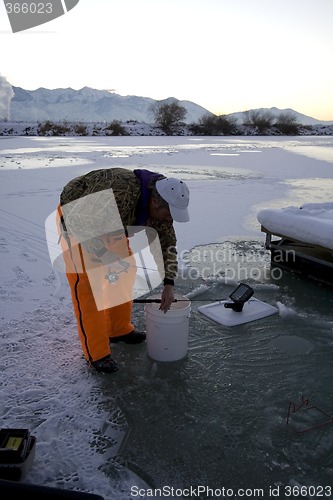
167	297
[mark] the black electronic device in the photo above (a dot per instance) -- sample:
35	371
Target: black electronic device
17	450
239	296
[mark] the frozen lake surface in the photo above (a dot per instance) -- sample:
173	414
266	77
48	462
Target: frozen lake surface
216	418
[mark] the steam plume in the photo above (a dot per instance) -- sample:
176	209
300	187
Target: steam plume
6	95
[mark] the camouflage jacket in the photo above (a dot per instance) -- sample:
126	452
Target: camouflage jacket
89	204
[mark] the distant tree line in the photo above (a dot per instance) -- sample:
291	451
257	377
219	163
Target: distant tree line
170	116
67	128
169	120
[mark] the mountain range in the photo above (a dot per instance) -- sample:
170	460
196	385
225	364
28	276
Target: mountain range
92	105
89	105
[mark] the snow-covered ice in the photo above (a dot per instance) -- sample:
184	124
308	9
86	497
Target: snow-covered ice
217	417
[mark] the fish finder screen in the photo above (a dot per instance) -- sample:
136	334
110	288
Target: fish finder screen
242	293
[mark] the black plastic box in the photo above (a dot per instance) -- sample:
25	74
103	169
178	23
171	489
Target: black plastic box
17	450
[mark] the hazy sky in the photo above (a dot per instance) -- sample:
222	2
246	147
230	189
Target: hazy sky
226	55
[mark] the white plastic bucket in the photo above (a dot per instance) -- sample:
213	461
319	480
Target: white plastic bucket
167	333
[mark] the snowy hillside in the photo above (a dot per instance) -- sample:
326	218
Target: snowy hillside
88	105
92	105
276	112
89	112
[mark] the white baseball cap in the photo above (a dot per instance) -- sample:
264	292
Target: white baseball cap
177	195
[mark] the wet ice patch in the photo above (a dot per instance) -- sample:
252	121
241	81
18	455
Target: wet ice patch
302	189
292	344
22	161
232	261
197	291
204	172
323	153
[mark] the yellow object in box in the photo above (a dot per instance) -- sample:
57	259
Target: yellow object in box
17	451
14	443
